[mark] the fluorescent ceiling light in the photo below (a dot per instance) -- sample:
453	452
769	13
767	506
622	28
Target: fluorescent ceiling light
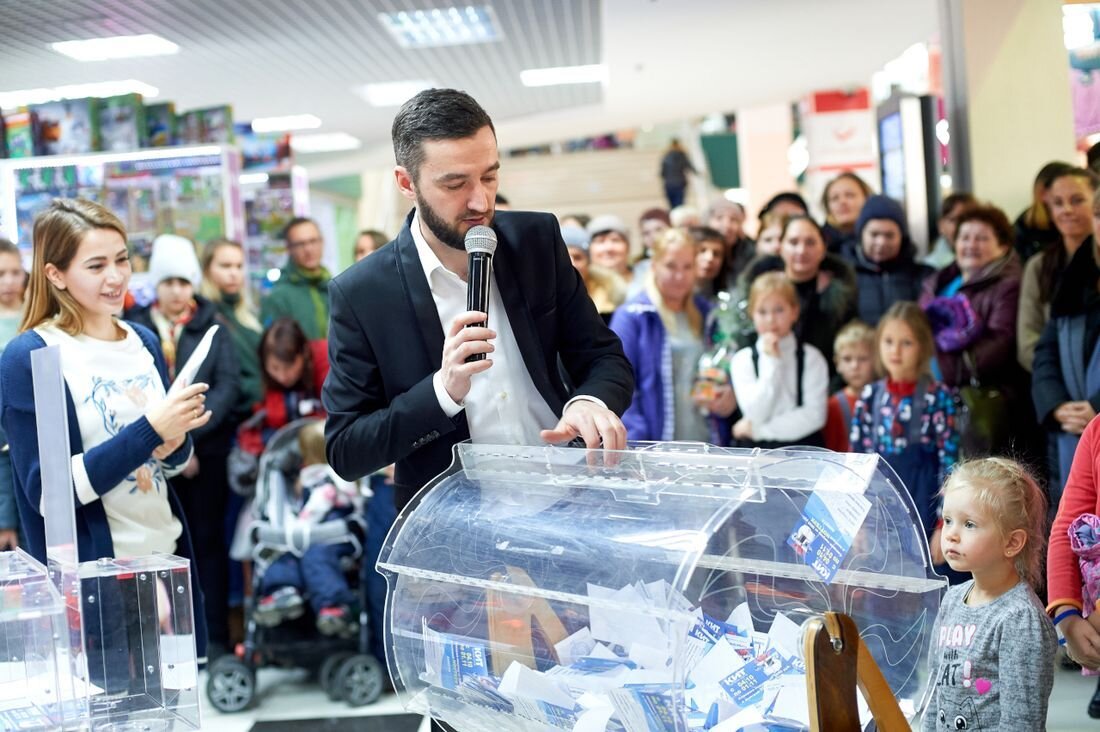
286	124
23	97
553	76
392	93
325	142
102	49
442	27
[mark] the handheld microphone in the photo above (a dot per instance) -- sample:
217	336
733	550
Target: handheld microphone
481	243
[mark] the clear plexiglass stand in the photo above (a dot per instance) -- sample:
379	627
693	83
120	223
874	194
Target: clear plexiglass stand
98	645
659	588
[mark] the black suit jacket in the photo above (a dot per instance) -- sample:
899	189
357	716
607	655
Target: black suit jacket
386	342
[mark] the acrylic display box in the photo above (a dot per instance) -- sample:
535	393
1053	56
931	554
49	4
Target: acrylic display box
658	588
130	665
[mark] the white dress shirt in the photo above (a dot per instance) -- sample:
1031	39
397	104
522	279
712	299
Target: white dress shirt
503	406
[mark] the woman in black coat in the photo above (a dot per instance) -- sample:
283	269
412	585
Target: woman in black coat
1065	379
180	318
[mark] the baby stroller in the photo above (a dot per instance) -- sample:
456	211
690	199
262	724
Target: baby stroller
342	664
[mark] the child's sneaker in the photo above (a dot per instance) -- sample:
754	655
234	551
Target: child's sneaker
337	620
284	603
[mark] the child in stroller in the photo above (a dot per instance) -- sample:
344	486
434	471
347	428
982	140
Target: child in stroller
307	537
317	496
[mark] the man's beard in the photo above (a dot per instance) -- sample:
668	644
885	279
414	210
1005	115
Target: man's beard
443	231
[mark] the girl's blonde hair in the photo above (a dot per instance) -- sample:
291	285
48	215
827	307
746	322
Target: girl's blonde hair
772	283
1013	498
910	314
669	241
243	310
856	333
58	232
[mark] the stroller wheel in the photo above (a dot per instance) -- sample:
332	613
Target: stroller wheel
360	680
328	674
231	686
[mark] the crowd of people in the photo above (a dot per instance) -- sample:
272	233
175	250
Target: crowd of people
983	345
970	364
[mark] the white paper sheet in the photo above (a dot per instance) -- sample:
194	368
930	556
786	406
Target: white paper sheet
576	646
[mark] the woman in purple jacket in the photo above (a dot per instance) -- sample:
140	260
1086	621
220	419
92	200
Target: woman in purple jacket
662	333
972	305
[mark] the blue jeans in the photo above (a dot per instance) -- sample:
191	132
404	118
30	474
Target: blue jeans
317	574
674	192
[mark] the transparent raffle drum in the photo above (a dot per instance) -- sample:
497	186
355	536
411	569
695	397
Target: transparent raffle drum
659	588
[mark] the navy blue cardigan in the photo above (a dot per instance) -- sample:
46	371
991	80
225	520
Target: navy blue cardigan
107	464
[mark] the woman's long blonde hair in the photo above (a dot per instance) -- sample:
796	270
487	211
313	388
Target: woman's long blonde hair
243	310
58	232
669	241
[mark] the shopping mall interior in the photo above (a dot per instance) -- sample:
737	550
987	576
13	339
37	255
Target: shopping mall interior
211	119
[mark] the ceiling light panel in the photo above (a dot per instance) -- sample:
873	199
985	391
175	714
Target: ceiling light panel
286	124
437	27
558	75
392	93
324	142
102	49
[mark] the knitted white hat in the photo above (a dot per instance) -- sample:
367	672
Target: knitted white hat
174	257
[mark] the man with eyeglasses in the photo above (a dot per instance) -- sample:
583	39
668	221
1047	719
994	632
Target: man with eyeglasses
301	291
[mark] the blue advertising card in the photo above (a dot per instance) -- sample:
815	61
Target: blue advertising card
827	528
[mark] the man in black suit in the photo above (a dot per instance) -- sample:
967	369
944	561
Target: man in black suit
399	389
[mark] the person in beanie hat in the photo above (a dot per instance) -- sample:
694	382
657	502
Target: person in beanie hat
884	258
180	318
609	244
605	287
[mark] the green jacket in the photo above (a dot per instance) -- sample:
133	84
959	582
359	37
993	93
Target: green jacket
302	297
246	342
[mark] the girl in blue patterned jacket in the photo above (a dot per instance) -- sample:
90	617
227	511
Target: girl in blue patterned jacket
908	417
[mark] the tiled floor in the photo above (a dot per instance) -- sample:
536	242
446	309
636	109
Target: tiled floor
286	695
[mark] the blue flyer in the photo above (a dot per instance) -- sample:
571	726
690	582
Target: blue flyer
462	659
743	685
828	526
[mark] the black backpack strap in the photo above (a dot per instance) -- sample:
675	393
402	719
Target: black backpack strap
755	360
800	363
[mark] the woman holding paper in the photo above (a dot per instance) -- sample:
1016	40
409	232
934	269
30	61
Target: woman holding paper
181	319
126	433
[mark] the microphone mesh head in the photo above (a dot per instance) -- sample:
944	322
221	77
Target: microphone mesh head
481	239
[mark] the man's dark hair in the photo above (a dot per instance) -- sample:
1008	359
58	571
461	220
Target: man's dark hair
434	114
296	221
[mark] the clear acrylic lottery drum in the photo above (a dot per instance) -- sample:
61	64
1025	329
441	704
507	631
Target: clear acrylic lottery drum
535	588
